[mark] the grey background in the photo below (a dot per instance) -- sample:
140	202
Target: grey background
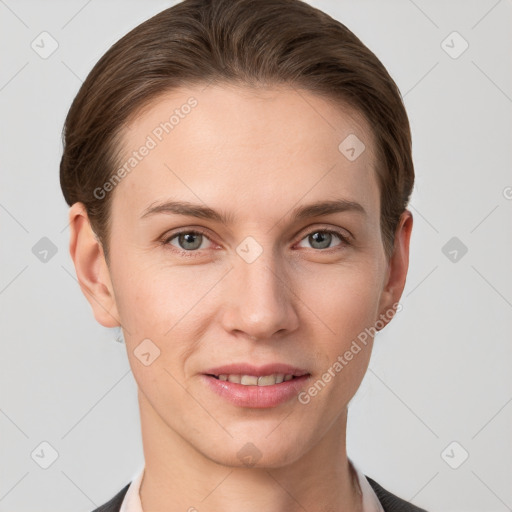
440	372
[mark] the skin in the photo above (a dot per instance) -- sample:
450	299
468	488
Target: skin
255	154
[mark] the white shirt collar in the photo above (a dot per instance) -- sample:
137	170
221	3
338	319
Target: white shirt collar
132	503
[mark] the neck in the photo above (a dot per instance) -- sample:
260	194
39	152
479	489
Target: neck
178	477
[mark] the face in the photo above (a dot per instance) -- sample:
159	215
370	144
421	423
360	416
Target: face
243	235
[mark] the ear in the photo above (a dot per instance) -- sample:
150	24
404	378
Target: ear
397	270
91	268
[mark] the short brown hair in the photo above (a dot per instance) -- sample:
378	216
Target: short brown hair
198	41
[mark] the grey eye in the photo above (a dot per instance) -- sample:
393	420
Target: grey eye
188	240
322	239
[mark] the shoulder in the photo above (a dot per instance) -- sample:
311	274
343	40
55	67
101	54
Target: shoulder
390	502
114	504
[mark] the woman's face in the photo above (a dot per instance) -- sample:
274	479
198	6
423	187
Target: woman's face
255	277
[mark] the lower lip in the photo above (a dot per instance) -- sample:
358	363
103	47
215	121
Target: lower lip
257	397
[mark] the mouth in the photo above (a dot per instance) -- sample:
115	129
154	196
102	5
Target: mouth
244	385
255	380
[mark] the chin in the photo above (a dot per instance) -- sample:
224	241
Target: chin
258	452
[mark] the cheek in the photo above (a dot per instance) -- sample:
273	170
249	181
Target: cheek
160	308
344	304
344	300
162	298
172	306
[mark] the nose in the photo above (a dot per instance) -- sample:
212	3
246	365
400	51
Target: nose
261	300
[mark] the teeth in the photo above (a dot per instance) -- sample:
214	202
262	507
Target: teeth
249	380
266	380
252	380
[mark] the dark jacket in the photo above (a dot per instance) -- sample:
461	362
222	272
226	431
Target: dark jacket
389	502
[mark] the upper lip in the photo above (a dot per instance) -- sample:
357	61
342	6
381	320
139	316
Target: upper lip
257	371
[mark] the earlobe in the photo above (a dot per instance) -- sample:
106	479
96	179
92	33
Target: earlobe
91	268
397	268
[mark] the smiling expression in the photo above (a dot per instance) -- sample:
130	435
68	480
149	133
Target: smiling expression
245	236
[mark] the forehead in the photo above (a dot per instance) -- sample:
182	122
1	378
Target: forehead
248	146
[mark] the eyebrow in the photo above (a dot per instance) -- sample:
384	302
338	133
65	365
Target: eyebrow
316	209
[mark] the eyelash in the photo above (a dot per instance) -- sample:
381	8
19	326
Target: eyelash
197	252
